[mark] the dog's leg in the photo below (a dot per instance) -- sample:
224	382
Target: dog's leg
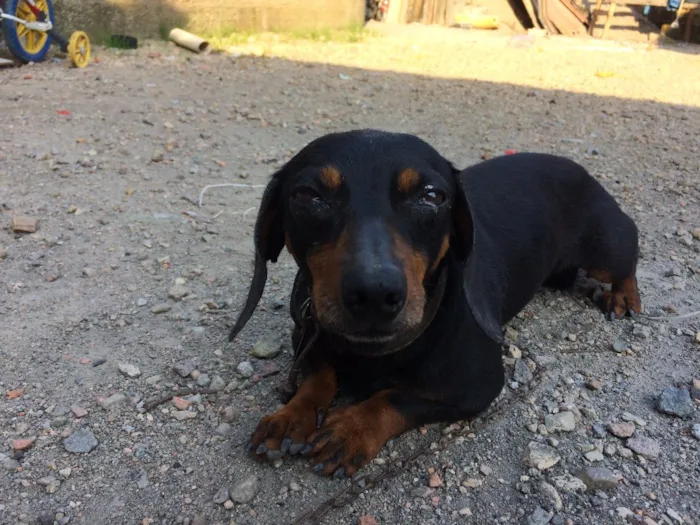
609	254
287	430
352	436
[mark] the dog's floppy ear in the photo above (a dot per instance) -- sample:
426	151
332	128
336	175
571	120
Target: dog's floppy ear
269	241
473	245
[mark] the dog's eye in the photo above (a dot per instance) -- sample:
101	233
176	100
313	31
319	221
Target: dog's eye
432	196
306	196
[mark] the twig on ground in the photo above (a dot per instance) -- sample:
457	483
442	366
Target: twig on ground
226	185
155	402
670	317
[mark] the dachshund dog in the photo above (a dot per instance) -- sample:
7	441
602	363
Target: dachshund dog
408	270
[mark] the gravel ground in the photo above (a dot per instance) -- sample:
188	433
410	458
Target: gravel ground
128	285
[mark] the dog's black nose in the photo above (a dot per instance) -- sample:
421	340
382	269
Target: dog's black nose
376	295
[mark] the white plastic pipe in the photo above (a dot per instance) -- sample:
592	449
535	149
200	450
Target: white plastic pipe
189	41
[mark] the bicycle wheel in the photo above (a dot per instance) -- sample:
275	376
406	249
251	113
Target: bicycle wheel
28	45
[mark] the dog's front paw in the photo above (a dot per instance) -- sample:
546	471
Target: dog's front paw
617	303
286	431
347	442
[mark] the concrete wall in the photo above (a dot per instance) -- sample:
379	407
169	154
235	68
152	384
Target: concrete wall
153	18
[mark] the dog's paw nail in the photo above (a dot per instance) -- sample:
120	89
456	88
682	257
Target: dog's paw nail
633	315
320	416
284	447
610	316
274	455
249	446
306	450
318	467
261	449
339	474
295	448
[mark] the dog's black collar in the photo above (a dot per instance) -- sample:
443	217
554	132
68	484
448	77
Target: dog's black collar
310	330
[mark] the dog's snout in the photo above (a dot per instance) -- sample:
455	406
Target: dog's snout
376	295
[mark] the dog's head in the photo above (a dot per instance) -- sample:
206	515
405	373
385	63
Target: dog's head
369	217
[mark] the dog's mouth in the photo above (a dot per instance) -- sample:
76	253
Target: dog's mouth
371	337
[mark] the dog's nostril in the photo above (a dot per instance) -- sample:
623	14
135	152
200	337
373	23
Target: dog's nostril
357	299
393	299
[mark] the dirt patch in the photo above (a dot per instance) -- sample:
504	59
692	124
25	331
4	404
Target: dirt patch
126	269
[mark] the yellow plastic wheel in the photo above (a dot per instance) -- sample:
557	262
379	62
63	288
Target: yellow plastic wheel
32	41
79	49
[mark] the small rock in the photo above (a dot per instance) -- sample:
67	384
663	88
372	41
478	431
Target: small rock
152	380
217	383
624	512
541	456
223	429
266	349
539	517
642	332
185	368
204	381
514	352
46	518
695	431
221	496
522	373
79	411
158	155
598	478
434	481
244	491
183	415
594	456
594	384
142	483
552	495
229	414
22	444
112	401
195	374
180	403
178	292
472	483
674	516
485	470
270	368
24	224
619	346
598	430
626	416
245	369
89	272
366	520
141	301
695	388
65	472
294	486
676	402
622	430
644	446
421	492
561	422
466	511
129	370
161	308
81	441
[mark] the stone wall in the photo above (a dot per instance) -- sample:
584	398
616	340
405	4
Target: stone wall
153	18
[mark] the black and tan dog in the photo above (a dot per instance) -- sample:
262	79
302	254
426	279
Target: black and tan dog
408	269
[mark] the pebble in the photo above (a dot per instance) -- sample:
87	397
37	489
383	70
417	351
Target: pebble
619	346
294	486
142	483
539	517
180	403
522	373
561	422
695	388
674	516
204	381
695	431
434	481
485	470
270	368
129	370
217	383
46	517
244	491
569	483
81	441
642	332
626	416
158	155
514	352
366	520
221	496
112	401
622	430
183	415
228	504
599	430
89	272
552	495
594	456
229	414
598	478
152	380
178	292
65	472
79	411
22	444
466	511
594	384
161	308
624	512
245	369
676	402
541	456
223	429
185	368
266	348
141	301
644	446
421	492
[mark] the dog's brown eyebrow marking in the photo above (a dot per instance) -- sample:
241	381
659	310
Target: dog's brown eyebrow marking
331	178
408	180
